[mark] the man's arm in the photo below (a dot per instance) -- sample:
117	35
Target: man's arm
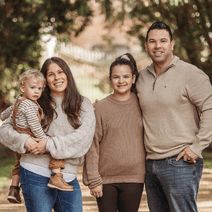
200	94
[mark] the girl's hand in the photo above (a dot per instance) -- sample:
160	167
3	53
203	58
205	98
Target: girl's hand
97	191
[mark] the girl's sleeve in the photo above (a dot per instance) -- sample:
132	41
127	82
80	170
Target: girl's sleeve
91	175
77	143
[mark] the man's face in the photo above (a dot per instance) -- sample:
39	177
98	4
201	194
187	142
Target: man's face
159	46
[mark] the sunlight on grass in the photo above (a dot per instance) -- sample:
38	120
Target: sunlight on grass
3	182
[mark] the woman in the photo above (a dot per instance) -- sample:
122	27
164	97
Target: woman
70	122
114	165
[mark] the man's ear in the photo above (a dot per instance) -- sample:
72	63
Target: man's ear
172	43
145	45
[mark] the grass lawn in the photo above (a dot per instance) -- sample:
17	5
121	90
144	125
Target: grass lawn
207	159
7	160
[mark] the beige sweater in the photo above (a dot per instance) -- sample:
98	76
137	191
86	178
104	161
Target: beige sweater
117	153
177	109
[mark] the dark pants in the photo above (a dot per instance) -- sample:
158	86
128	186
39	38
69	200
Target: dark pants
121	197
171	185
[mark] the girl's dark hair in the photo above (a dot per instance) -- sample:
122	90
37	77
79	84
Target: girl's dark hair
126	59
160	25
72	100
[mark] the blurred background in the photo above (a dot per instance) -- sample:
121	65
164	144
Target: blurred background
89	34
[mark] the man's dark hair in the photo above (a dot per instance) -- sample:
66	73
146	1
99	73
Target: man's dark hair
159	25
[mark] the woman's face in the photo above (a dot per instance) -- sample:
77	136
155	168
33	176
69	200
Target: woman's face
56	80
122	79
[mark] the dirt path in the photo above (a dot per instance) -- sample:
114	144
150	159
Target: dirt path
89	204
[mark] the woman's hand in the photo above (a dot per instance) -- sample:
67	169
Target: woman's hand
40	147
97	191
30	144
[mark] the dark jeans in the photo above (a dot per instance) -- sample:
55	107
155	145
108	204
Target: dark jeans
172	185
40	198
121	197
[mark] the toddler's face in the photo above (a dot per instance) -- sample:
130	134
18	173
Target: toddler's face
32	88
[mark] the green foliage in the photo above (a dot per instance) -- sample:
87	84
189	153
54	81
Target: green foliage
6	167
207	155
191	21
22	24
7	160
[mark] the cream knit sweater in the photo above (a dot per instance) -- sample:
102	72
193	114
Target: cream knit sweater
64	143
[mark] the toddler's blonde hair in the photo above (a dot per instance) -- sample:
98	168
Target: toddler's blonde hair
31	73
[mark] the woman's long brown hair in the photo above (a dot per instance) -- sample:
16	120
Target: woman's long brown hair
72	99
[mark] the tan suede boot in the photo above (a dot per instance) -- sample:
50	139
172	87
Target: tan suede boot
57	181
14	194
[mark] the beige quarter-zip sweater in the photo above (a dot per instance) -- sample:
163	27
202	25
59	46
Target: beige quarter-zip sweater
177	109
117	152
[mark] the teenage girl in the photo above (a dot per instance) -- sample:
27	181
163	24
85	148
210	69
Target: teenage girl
114	166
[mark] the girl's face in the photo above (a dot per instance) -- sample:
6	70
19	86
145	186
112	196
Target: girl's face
122	79
32	88
56	80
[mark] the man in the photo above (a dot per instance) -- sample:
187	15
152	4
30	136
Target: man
176	101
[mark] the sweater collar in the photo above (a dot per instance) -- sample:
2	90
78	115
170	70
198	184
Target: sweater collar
111	99
174	61
58	100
